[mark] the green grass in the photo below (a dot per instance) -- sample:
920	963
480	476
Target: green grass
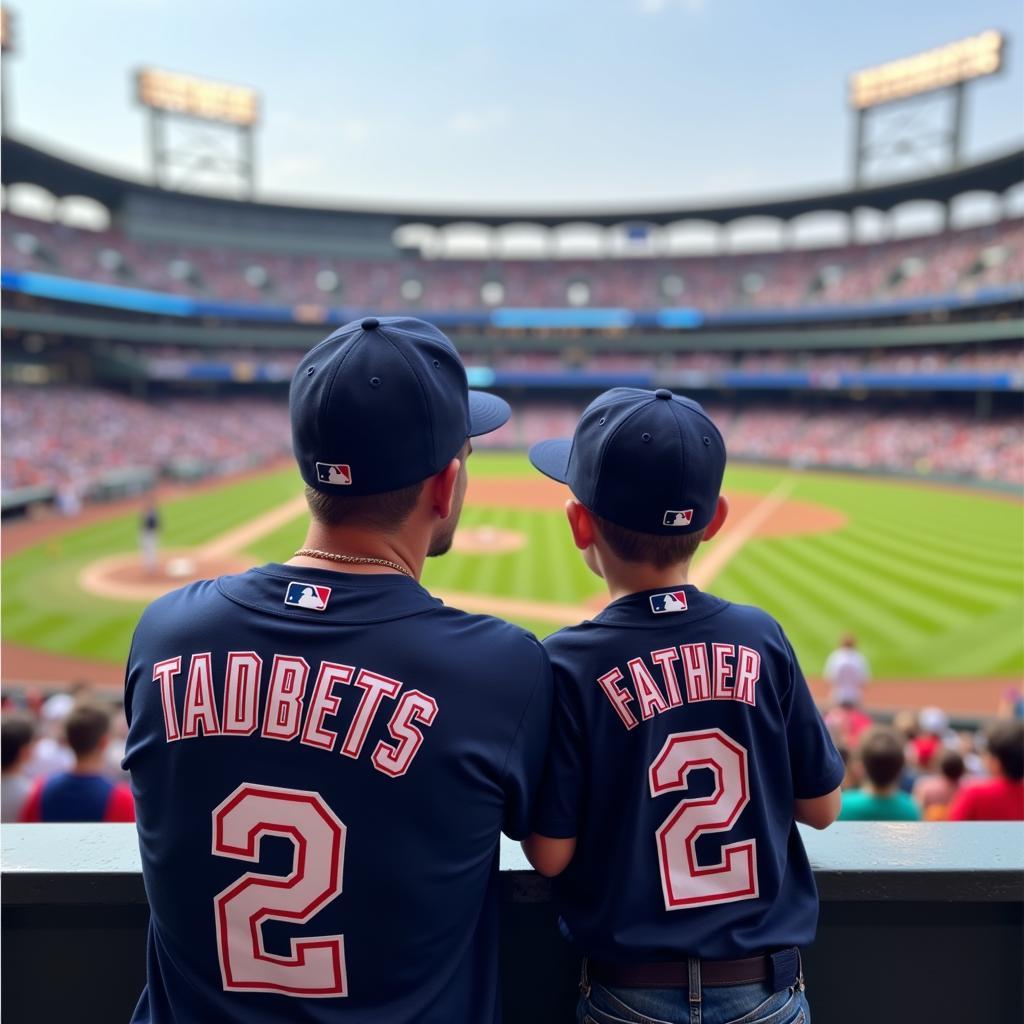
930	580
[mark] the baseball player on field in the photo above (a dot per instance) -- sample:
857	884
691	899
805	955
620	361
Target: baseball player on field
323	755
685	744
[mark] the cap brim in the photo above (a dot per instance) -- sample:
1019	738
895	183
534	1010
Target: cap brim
487	412
552	458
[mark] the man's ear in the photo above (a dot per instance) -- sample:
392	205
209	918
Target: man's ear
581	523
718	519
442	488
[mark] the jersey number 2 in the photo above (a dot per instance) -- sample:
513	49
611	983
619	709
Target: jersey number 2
316	966
684	882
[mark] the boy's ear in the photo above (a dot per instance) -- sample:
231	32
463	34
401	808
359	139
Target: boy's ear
580	523
718	519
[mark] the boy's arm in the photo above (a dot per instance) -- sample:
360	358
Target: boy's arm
817	768
819	811
549	856
553	843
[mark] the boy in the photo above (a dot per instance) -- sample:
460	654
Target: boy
82	794
1000	798
880	798
685	742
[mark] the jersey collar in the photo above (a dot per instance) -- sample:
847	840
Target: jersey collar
635	610
354	597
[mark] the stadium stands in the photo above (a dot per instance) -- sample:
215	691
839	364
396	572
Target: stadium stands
67	435
953	263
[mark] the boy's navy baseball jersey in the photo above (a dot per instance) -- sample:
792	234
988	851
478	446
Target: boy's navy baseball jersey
684	730
322	763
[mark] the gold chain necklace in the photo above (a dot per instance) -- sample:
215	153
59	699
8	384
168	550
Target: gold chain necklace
330	556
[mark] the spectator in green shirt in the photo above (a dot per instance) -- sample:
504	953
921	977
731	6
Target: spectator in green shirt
880	797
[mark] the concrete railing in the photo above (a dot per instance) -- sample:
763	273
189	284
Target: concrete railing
919	922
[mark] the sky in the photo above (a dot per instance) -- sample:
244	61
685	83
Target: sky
532	103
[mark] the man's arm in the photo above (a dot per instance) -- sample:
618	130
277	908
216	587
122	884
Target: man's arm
549	856
819	811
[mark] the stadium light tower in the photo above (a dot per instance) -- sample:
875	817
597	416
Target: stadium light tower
199	127
896	105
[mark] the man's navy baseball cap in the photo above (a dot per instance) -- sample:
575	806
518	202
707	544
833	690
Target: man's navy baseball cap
382	404
647	460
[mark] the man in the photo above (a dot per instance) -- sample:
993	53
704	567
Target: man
149	537
847	671
323	755
84	793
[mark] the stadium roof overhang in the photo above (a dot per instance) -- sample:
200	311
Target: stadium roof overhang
23	162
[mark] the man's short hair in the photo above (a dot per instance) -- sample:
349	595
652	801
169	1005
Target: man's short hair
952	766
86	726
17	730
1005	741
881	752
648	548
386	512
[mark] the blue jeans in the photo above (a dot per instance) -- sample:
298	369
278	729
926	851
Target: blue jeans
731	1004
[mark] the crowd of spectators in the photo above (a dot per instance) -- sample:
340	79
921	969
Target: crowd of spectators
920	768
864	438
951	263
61	761
170	362
61	758
76	437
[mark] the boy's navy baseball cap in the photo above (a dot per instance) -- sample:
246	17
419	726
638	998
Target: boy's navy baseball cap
647	460
382	404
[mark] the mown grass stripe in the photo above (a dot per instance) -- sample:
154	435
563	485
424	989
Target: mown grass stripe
853	584
908	588
937	559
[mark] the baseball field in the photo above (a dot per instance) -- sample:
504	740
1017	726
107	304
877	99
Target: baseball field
928	578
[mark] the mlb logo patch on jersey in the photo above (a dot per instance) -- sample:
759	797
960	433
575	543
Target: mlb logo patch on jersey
673	601
305	595
676	517
330	473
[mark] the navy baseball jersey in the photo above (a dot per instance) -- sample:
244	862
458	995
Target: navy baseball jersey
322	763
683	731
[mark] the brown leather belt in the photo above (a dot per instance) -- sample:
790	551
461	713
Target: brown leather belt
675	974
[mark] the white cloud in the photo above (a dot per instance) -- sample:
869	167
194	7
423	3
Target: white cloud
476	122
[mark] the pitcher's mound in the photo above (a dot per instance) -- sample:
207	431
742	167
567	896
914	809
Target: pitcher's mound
125	578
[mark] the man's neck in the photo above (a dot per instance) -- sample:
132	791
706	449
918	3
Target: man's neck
360	544
633	578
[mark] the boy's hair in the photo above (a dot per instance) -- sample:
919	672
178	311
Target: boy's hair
384	512
952	766
881	752
17	731
649	548
1005	740
86	726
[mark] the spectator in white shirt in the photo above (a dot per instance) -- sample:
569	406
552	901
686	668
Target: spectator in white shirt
847	671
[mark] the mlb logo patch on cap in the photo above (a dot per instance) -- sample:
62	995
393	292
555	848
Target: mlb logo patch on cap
306	595
331	473
673	601
678	517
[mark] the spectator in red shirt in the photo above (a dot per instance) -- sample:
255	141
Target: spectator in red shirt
82	794
1000	798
